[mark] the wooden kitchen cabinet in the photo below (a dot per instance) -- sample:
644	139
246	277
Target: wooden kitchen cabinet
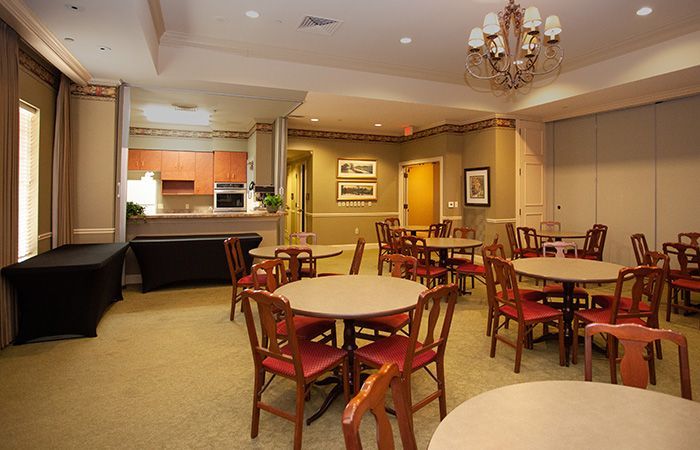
178	165
230	167
145	160
204	173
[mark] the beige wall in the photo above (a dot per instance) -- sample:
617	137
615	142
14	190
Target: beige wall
335	224
94	164
634	170
42	96
188	144
264	158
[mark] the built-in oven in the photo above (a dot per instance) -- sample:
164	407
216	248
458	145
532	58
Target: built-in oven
230	197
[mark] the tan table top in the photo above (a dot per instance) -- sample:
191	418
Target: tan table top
448	242
351	296
411	227
562	234
567	269
569	414
319	251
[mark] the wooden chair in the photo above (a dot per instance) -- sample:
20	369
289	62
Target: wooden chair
494	249
393	221
427	272
447	229
692	237
511	306
240	278
512	241
298	258
402	266
645	284
639	246
302	238
436	230
560	249
410	354
270	275
635	338
683	280
356	259
594	244
371	398
303	362
528	242
384	241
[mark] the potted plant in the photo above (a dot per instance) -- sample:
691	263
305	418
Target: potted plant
272	203
134	210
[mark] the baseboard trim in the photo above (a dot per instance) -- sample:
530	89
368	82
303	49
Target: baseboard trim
93	230
354	214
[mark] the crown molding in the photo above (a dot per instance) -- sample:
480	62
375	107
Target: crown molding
37	70
23	20
157	17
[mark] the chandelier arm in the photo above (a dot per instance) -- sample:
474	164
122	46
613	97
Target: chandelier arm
559	59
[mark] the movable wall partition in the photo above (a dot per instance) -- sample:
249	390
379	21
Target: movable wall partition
636	170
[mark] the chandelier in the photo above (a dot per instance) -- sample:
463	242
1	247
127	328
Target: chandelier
509	50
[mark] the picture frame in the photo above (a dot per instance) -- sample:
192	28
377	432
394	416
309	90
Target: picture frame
477	188
357	168
357	190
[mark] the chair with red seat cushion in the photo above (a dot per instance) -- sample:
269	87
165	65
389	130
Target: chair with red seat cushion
301	361
461	256
560	249
384	241
270	275
683	280
639	246
410	354
301	261
645	284
372	397
529	242
402	266
594	244
634	339
240	279
508	302
427	271
513	241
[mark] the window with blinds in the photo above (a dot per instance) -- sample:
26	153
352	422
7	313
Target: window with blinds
28	205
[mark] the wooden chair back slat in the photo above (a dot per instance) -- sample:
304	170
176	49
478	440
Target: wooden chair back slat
686	256
635	338
393	221
639	246
357	256
383	233
528	240
275	275
402	266
436	230
464	233
297	256
692	237
506	281
647	284
512	239
447	228
415	246
234	257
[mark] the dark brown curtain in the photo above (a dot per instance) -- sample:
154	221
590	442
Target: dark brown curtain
9	173
61	205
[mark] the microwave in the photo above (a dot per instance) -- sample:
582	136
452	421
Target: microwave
230	197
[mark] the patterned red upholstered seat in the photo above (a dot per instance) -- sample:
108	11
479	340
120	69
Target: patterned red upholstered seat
315	358
684	283
455	261
433	271
248	280
386	246
471	268
602	315
531	311
393	349
529	254
606	301
307	327
389	323
558	289
526	294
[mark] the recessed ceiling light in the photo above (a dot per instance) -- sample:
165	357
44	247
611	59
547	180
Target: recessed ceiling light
406	40
644	11
314	119
252	14
74	8
68	39
104	48
377	124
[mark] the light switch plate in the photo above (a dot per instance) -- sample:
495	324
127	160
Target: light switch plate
456	204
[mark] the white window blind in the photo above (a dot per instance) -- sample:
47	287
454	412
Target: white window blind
28	214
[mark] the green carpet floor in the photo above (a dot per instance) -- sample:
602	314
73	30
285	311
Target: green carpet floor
169	370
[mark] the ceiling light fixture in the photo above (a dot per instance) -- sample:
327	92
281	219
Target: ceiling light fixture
509	50
377	124
177	114
68	39
252	14
644	11
313	119
406	40
104	48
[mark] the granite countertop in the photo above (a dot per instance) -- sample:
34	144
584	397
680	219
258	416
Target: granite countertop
208	215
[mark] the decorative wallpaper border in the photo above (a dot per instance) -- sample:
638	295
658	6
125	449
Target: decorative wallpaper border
36	69
165	132
94	92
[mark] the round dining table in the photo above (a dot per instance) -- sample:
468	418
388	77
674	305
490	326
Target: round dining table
569	414
412	229
567	271
443	244
348	298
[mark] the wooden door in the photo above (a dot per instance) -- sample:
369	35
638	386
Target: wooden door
421	205
530	188
187	161
170	165
238	161
222	164
204	173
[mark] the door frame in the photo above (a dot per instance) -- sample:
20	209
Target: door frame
520	147
402	185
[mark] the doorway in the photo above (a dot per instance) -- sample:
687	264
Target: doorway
295	200
420	193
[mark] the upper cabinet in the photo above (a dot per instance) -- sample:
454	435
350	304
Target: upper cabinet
230	166
178	165
145	160
203	177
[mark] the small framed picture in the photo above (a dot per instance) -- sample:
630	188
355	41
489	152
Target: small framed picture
355	190
357	168
476	187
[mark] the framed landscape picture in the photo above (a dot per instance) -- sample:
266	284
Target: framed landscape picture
355	190
477	191
357	168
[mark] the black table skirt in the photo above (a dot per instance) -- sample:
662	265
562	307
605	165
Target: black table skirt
66	290
165	260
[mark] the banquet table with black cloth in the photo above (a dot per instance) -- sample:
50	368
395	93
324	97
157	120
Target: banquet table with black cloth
65	291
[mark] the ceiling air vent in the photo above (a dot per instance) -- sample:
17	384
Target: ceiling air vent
319	25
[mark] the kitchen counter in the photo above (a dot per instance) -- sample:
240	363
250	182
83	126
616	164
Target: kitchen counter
208	215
